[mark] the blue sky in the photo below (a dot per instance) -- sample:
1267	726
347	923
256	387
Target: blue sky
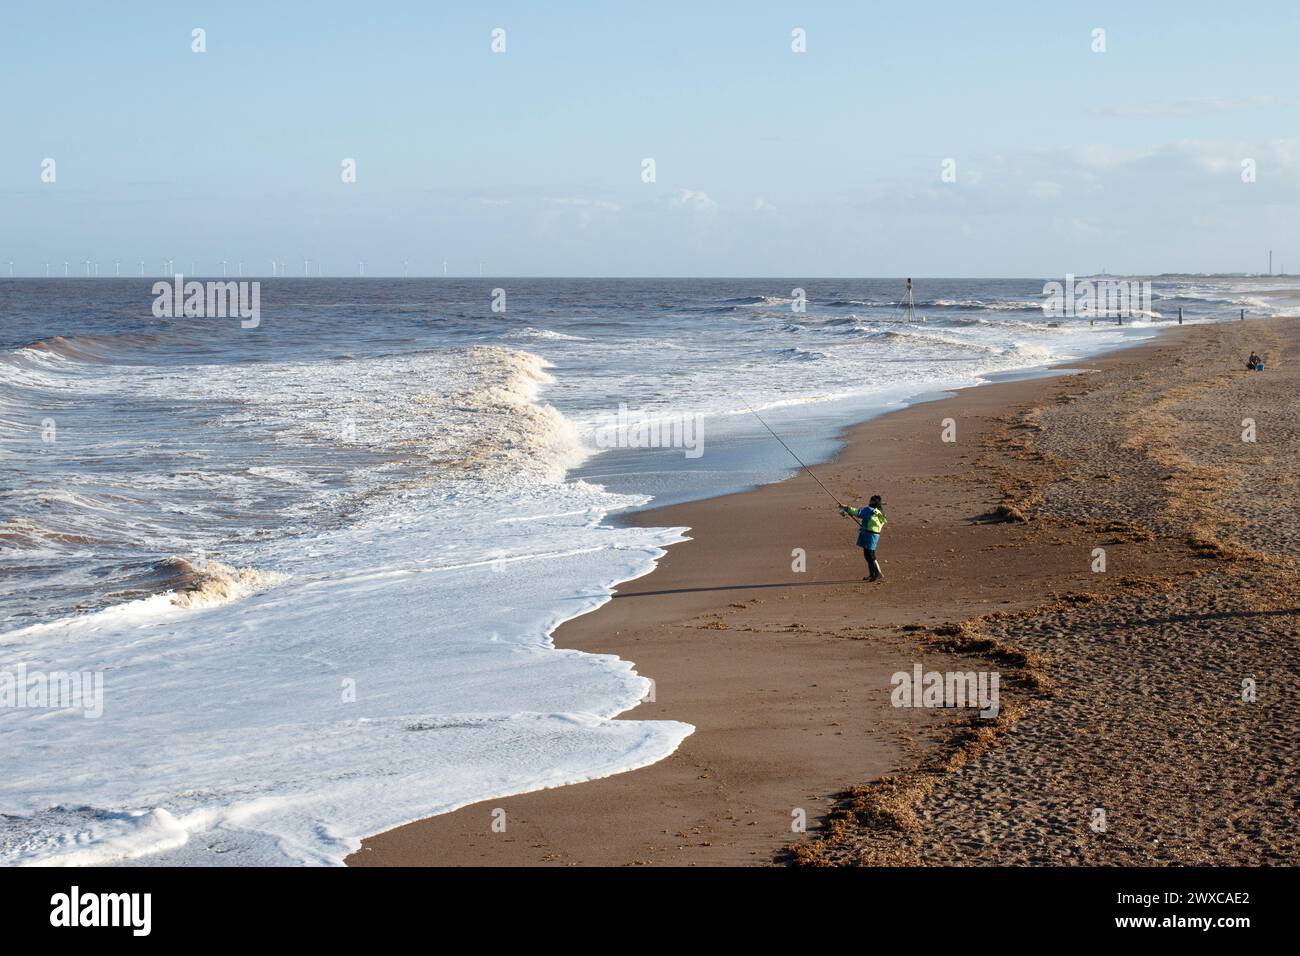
768	162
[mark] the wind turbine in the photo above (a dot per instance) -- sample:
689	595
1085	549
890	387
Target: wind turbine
141	268
305	264
405	271
241	268
11	268
87	268
223	268
361	267
444	268
65	268
47	270
273	272
117	268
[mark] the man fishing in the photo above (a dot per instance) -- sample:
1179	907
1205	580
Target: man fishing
871	520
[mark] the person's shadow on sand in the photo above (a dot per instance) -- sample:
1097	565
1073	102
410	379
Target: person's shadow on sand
735	587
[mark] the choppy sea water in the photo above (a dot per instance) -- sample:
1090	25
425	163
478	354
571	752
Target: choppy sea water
317	563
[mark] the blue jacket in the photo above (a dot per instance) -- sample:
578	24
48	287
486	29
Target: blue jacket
866	539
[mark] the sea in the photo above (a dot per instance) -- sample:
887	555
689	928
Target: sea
313	566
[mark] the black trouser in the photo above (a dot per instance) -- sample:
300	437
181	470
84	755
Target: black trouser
872	563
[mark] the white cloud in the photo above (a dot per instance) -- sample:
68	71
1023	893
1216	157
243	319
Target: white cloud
600	204
1102	156
560	213
694	199
1095	180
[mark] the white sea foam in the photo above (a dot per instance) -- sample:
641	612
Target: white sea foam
234	718
342	682
546	334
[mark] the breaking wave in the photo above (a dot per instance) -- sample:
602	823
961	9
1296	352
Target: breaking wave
546	335
210	583
183	587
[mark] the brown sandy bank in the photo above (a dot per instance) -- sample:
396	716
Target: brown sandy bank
786	675
1164	725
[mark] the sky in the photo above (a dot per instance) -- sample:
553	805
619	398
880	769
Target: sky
767	162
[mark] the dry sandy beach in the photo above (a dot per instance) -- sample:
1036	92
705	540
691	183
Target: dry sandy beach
1121	690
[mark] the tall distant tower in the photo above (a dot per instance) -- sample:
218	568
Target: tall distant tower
1270	262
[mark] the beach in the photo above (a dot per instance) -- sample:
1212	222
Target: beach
417	568
1151	682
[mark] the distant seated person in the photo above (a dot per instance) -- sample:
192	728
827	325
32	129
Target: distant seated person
1254	363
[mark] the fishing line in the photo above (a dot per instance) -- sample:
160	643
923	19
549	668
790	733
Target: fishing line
793	455
908	305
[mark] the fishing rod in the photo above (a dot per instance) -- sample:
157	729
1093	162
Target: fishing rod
908	305
795	457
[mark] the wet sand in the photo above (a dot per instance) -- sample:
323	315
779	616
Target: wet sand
1117	686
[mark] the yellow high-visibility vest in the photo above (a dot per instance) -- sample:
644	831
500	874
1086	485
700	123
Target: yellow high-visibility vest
876	521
